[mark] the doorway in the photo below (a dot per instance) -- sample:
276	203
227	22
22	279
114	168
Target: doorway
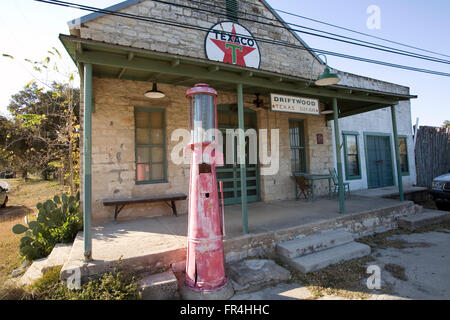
230	174
379	160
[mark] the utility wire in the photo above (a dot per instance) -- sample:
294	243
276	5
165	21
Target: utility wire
361	33
274	42
408	53
370	46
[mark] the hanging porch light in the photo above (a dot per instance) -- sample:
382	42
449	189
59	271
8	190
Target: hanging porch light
154	93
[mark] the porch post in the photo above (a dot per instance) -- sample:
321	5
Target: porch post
240	98
397	154
337	140
87	181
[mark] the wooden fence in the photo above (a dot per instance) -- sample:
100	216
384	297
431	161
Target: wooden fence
432	153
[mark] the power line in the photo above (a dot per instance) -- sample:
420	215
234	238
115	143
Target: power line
389	49
274	42
361	33
348	40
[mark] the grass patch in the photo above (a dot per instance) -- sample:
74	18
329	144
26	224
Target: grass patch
110	286
345	279
396	270
31	191
24	194
9	249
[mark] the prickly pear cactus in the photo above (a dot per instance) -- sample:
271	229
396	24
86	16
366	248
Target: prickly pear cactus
58	221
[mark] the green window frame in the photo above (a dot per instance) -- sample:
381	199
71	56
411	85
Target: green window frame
298	146
150	145
403	151
350	172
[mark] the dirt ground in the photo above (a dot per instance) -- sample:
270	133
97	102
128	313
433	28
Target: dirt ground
23	197
413	265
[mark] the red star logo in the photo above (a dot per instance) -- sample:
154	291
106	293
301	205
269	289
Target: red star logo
234	52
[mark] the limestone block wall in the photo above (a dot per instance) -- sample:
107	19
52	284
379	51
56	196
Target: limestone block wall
113	147
188	42
281	59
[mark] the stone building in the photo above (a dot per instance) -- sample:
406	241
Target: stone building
127	148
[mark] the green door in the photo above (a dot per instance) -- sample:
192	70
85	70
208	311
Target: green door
379	161
230	173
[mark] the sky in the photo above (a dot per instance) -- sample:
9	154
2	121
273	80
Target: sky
28	29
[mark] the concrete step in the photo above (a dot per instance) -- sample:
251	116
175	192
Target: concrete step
427	217
58	257
314	243
324	258
160	286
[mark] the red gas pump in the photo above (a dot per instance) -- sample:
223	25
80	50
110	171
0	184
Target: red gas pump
205	265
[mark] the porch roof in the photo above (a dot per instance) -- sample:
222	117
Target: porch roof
129	63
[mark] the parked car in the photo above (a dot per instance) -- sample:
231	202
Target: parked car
7	174
440	191
4	188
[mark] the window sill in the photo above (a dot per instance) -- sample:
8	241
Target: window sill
151	182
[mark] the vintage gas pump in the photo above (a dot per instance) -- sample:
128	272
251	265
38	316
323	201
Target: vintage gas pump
205	265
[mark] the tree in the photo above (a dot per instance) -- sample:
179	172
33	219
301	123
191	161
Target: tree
43	134
446	124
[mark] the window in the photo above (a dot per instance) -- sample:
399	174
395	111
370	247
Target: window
351	154
403	150
297	139
232	9
150	145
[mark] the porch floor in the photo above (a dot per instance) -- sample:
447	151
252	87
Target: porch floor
160	241
388	191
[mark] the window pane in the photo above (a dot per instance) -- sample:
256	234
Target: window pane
157	171
402	145
351	145
150	161
404	163
142	136
156	136
157	154
142	120
156	119
352	165
143	172
143	155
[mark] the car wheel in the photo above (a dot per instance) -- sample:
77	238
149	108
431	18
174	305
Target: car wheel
4	203
442	205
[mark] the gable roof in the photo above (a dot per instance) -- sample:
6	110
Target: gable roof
122	5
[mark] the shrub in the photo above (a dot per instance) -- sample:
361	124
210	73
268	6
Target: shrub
58	221
110	286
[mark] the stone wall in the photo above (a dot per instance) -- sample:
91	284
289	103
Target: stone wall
159	37
113	147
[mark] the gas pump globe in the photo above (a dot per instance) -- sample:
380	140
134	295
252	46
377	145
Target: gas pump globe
205	265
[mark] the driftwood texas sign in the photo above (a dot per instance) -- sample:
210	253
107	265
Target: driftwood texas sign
279	102
232	43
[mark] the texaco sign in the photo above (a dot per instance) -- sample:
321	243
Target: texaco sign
232	43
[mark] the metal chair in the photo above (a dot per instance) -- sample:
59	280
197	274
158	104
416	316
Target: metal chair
334	177
302	187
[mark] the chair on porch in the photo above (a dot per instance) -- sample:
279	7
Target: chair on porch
302	187
334	177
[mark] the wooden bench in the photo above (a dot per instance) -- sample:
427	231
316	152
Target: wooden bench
120	203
